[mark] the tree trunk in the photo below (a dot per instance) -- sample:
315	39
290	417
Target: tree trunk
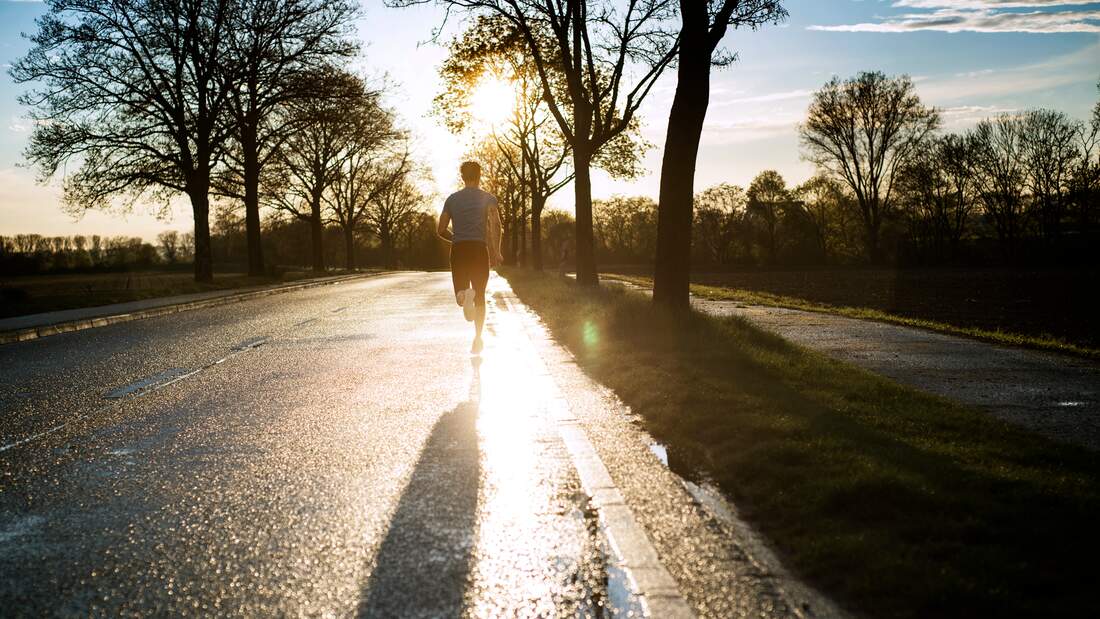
538	202
349	243
317	231
204	261
523	257
252	203
387	248
672	272
582	187
513	241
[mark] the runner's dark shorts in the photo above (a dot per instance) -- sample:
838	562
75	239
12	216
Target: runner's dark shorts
470	267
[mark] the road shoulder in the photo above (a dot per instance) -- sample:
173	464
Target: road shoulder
34	326
722	567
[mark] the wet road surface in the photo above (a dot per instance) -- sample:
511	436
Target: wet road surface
338	452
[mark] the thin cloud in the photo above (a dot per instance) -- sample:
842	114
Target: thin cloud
981	16
989	4
768	98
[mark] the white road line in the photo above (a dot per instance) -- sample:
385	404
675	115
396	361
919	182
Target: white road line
649	578
142	387
250	343
151	383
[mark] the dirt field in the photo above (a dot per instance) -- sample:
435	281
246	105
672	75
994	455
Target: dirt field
1061	303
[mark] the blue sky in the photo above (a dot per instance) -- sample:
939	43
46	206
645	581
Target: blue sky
971	58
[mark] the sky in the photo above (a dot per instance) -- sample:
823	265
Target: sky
969	58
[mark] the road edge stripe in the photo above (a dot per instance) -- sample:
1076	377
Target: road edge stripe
650	580
33	333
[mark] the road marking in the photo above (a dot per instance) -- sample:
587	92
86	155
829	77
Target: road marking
142	387
649	579
249	344
151	383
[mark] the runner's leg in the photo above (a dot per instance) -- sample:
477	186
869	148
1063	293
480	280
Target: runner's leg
479	277
460	273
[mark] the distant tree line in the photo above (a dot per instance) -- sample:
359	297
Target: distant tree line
246	103
287	244
1019	188
22	254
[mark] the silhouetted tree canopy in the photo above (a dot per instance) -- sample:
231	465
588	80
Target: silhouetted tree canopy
863	130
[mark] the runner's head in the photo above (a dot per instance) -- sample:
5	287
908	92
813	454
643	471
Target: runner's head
471	173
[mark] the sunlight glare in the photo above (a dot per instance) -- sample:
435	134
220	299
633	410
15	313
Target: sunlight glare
493	100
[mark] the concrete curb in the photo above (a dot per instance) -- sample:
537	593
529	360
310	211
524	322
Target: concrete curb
33	333
649	580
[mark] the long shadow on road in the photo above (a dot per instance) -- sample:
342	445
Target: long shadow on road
424	564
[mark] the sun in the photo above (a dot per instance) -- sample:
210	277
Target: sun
493	100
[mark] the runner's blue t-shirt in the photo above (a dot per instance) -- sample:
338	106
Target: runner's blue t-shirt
468	209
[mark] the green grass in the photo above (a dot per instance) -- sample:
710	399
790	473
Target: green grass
752	297
33	294
896	503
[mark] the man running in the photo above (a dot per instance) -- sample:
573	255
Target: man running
475	244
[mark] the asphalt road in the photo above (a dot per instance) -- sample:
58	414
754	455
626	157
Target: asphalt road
338	452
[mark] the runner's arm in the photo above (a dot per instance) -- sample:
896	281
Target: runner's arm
495	235
441	229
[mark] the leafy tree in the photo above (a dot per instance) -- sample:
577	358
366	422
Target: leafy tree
767	198
720	222
131	91
823	200
626	228
703	25
864	130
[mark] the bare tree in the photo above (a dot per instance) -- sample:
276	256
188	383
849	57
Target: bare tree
310	158
703	25
938	188
271	43
863	130
1048	140
610	55
132	92
1085	181
395	209
368	171
1001	176
169	241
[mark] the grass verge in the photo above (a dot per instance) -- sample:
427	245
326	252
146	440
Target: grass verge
750	297
897	503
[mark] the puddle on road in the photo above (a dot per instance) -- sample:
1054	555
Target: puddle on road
683	464
660	451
